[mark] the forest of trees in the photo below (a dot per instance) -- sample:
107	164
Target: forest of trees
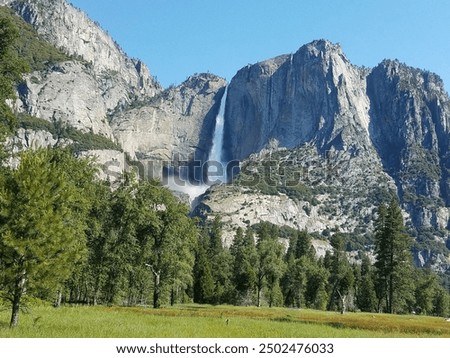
67	238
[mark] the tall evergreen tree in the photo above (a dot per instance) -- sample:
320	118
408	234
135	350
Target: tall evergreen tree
203	278
300	257
42	223
270	267
166	239
393	259
341	275
221	263
366	295
426	288
441	302
245	260
316	295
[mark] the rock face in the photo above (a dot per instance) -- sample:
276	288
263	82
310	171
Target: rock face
83	92
178	123
102	90
72	93
382	128
314	94
321	142
410	122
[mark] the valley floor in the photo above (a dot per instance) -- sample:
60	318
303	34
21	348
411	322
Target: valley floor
202	321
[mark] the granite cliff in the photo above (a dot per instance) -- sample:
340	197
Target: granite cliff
353	135
320	142
99	79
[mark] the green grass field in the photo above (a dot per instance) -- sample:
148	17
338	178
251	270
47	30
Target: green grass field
190	321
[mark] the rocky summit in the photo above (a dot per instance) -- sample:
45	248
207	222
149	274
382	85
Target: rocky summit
320	142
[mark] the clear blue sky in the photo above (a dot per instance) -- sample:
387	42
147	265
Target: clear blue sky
177	38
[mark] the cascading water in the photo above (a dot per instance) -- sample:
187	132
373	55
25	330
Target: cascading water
217	168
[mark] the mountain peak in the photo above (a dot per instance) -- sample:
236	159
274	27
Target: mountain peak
321	46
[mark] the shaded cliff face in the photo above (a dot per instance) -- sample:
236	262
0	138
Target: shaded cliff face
410	118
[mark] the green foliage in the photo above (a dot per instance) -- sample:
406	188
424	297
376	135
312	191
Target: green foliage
220	260
140	248
89	141
29	46
341	278
270	267
11	69
42	220
83	141
245	260
393	259
365	287
203	278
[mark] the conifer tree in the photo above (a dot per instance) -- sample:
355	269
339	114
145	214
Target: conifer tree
341	275
43	211
300	259
203	278
245	260
393	260
270	265
221	263
166	238
366	295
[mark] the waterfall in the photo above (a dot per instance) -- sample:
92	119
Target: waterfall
217	168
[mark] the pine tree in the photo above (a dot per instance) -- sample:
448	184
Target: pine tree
300	257
393	260
245	260
203	278
341	275
366	295
166	239
270	267
441	302
316	295
221	263
43	213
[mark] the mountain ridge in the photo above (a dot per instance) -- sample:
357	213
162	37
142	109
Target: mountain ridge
381	130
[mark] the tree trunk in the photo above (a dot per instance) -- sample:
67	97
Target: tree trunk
391	294
18	292
58	299
343	298
157	289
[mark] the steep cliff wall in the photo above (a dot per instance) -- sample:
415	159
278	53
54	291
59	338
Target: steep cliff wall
314	94
382	130
100	79
177	124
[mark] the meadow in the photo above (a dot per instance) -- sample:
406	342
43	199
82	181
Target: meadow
202	321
